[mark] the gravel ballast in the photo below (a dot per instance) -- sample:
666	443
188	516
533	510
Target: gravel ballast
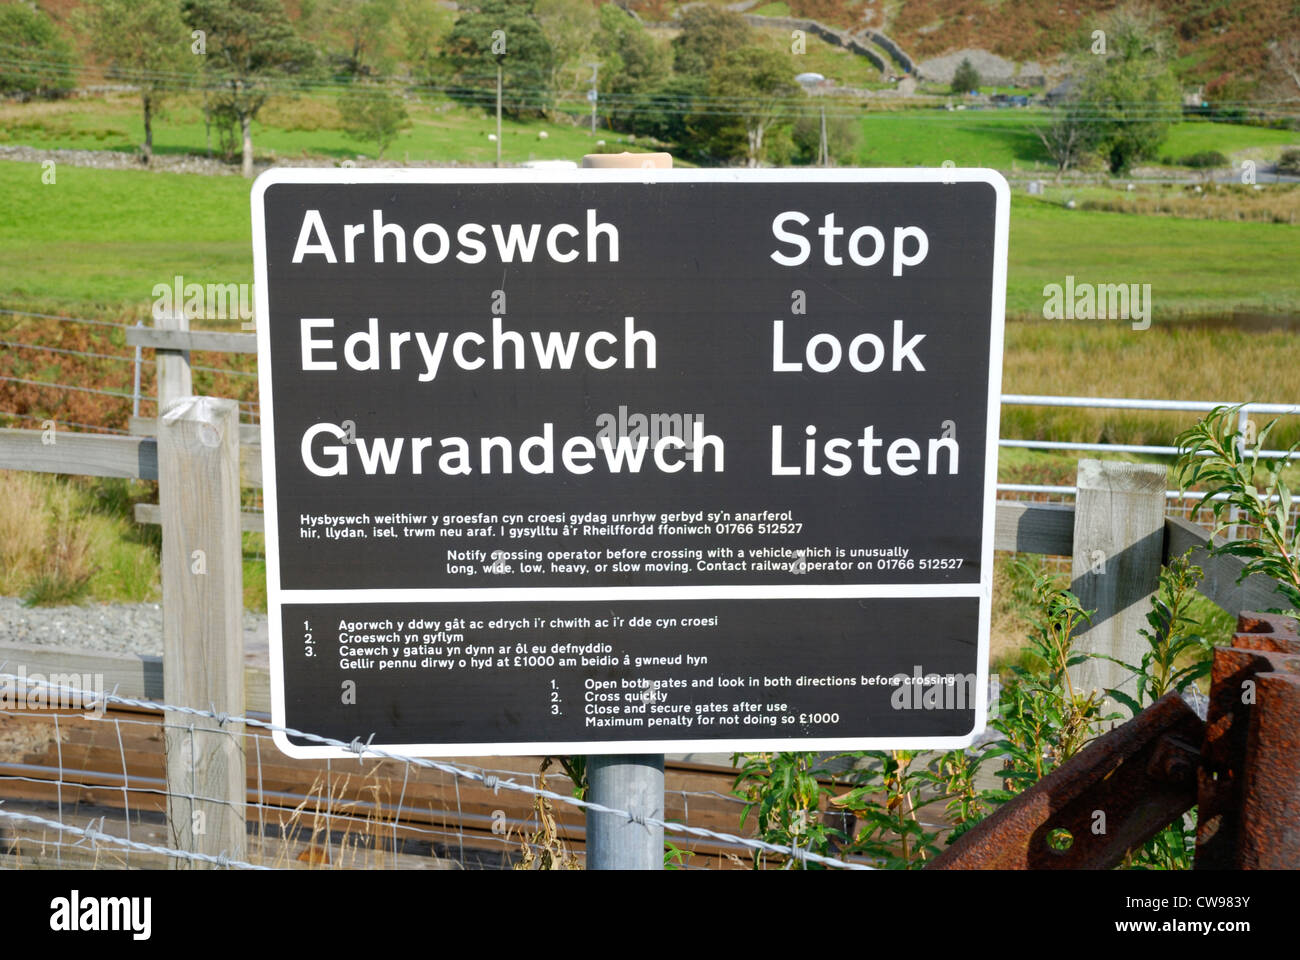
105	628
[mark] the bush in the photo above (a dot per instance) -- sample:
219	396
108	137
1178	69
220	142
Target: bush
966	78
35	61
372	113
1289	162
1205	159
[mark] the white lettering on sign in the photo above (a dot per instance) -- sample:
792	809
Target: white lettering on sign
366	349
865	245
431	242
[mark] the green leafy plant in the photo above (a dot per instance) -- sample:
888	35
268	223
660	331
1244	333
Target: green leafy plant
675	857
575	768
1215	454
1043	720
784	792
1177	656
887	798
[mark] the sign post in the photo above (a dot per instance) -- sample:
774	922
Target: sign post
629	461
632	782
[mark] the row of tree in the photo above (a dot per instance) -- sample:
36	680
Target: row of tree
717	92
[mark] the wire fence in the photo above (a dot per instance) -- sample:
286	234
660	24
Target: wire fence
88	792
1184	504
18	352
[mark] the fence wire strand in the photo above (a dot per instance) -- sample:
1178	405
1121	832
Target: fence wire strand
361	751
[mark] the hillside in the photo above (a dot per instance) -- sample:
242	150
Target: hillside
1222	45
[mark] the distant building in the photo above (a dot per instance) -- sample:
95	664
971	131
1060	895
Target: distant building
1065	90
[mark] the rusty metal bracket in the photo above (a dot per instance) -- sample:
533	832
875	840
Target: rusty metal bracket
1241	767
1115	794
1248	791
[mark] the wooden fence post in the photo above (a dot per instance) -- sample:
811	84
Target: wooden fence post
173	366
202	582
1119	531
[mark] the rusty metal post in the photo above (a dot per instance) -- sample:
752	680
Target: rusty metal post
1270	811
1248	792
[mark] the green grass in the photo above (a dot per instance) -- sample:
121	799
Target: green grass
439	132
1002	139
1005	139
102	237
835	63
75	540
105	237
1196	136
1193	266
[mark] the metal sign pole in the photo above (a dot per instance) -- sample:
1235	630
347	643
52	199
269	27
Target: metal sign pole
633	782
626	781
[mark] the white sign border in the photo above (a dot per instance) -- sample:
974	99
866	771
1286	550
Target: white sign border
276	598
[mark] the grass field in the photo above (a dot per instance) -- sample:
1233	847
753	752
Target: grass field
1002	139
1005	139
104	238
1195	267
288	128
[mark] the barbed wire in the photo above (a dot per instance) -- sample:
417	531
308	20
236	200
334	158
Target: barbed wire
61	422
69	386
490	781
76	353
51	316
120	358
98	836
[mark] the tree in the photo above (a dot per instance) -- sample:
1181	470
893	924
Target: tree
252	53
1068	137
503	33
572	29
145	43
373	113
35	61
666	112
756	85
422	26
363	28
1129	92
966	78
842	136
709	34
633	68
